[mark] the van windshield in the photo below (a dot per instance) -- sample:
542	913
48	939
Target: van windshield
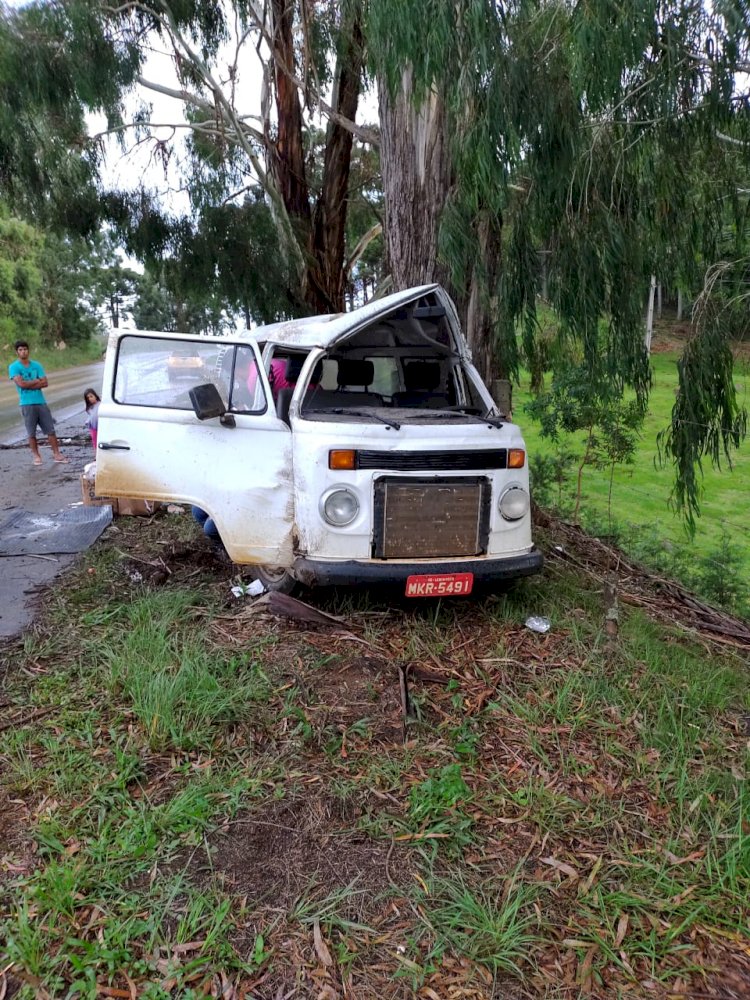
395	385
407	365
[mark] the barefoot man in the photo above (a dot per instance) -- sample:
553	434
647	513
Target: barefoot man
30	380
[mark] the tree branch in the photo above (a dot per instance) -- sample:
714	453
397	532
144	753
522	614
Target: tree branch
186	97
358	131
365	241
229	114
730	139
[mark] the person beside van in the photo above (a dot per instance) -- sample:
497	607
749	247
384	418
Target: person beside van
207	523
91	401
277	377
30	380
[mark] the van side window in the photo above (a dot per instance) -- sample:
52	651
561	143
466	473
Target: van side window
159	372
155	371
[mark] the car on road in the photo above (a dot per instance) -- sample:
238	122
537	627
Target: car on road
185	364
353	449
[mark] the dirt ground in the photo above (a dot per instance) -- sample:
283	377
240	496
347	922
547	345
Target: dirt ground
42	490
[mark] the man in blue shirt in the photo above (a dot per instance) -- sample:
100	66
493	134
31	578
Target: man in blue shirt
30	379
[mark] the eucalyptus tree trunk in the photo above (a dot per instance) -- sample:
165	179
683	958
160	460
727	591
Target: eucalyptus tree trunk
326	276
320	228
415	165
649	330
481	306
415	160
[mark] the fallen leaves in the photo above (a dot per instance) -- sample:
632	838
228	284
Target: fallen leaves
561	866
570	796
688	859
321	948
622	929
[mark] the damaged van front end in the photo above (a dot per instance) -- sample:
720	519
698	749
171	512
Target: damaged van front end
430	507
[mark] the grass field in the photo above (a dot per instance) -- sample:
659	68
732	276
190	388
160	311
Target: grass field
640	494
198	798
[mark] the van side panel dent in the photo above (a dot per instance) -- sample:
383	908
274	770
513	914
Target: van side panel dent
241	476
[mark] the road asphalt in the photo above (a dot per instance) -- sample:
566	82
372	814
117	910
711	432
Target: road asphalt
41	490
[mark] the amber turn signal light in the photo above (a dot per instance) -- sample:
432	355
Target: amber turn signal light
342	459
516	458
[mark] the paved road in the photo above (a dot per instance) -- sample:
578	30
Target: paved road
42	490
64	395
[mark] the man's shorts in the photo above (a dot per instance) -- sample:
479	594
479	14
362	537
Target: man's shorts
37	414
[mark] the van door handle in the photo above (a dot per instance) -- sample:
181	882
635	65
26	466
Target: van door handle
106	446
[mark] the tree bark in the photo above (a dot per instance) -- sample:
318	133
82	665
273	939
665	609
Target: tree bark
415	165
415	161
480	310
286	153
327	278
321	230
649	331
545	274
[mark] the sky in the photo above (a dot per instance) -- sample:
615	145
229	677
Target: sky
138	164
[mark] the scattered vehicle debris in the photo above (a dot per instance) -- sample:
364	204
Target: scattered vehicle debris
537	624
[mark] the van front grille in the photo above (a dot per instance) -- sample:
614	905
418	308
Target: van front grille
433	461
431	518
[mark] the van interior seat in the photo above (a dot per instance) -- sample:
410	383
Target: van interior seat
292	373
329	399
353	372
421	381
283	401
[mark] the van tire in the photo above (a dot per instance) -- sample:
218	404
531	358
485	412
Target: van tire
275	578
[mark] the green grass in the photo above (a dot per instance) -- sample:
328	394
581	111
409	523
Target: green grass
641	491
492	924
178	691
560	800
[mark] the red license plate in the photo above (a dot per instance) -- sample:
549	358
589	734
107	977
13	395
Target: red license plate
439	584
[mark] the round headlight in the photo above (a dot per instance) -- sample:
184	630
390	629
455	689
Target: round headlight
340	507
513	503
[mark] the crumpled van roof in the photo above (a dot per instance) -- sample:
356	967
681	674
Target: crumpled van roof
323	331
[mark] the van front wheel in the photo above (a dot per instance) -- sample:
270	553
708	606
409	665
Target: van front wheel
275	578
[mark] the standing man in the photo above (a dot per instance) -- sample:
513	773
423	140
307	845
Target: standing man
30	379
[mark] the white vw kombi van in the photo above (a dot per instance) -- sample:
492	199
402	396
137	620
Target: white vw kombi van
360	448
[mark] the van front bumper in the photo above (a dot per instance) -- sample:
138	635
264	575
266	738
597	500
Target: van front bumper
316	572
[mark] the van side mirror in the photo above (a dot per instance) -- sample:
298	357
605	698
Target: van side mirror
207	403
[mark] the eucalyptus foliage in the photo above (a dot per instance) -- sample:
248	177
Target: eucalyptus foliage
610	137
20	279
61	61
613	137
51	286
